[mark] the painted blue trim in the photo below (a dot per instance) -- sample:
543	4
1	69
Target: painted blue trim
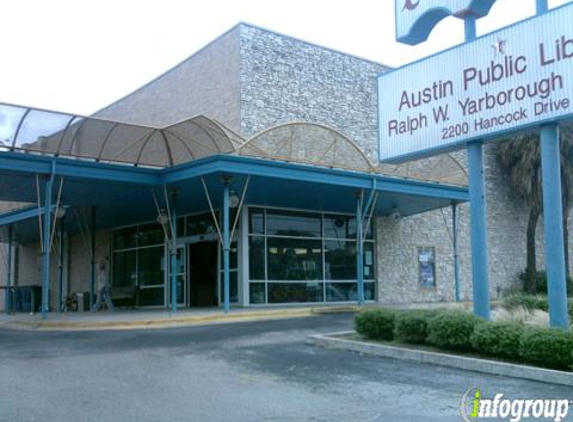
34	164
478	230
470	29
301	172
60	263
11	217
553	222
30	164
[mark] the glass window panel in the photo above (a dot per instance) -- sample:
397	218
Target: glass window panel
295	292
293	223
339	227
151	234
181	227
42	130
125	238
10	117
369	260
346	292
151	297
233	287
257	293
124	271
340	260
150	271
256	258
200	224
343	227
256	221
294	259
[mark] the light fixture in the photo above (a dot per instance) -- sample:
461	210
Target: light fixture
233	200
61	212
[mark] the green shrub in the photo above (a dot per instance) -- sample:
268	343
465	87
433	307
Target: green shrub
570	308
411	326
529	302
452	330
497	339
541	282
549	347
377	324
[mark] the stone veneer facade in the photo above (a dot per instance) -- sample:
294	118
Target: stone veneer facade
251	79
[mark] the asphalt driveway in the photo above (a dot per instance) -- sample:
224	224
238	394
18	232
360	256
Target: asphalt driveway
256	371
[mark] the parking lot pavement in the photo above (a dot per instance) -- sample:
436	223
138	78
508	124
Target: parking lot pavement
259	371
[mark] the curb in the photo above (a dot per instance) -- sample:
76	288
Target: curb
329	341
176	321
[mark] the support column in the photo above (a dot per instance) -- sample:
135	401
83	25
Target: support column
60	263
46	233
553	221
93	263
8	293
359	250
456	256
226	246
478	229
173	254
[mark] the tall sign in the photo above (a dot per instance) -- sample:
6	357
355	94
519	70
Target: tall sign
415	19
516	77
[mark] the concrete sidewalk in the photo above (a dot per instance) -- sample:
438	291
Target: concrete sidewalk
158	318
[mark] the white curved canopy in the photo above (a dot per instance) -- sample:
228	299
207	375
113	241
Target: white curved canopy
61	134
309	143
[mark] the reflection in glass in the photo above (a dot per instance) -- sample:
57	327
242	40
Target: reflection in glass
293	223
256	221
340	259
256	258
294	259
346	292
257	293
124	272
149	269
295	292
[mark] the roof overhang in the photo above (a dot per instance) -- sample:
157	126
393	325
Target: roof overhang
125	194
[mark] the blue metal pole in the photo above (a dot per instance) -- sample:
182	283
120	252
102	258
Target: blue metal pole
478	215
60	263
93	263
359	250
553	221
478	229
541	6
470	28
173	257
46	242
226	247
455	246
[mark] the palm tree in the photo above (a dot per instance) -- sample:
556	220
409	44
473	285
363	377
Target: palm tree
521	158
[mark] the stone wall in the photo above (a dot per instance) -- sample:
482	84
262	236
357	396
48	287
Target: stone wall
284	79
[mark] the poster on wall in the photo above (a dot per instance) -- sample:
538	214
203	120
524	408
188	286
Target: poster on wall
427	267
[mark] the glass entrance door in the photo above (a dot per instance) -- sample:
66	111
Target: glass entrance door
181	273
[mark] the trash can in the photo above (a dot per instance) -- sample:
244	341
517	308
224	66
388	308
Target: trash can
83	301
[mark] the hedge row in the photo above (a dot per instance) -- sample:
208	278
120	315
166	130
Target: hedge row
462	331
